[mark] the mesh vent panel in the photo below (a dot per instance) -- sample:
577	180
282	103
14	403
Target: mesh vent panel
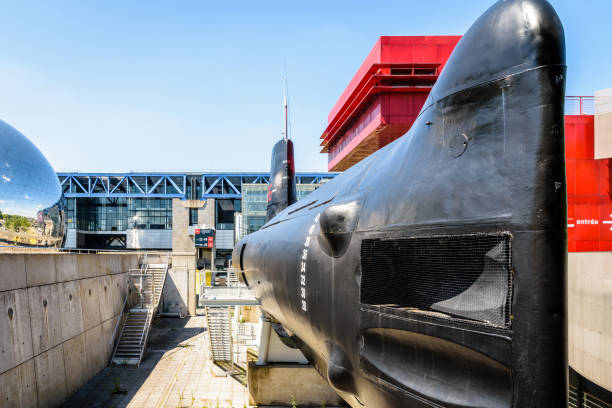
466	276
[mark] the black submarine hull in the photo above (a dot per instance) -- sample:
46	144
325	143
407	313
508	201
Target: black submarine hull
432	273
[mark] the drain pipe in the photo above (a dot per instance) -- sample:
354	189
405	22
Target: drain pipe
264	339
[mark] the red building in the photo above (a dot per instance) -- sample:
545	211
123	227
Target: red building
384	97
589	186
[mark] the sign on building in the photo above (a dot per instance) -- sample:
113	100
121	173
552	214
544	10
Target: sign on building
204	238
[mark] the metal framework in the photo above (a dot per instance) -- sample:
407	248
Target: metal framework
170	185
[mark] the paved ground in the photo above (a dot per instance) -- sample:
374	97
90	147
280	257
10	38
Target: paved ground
175	372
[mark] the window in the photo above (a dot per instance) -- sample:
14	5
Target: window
193	216
149	213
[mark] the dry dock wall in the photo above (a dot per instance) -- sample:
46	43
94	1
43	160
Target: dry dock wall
589	304
276	385
57	316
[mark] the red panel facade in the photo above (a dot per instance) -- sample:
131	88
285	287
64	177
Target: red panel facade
384	97
589	189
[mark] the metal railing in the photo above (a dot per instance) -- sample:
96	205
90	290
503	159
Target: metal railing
579	105
139	295
120	318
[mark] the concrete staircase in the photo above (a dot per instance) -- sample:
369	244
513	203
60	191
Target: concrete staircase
218	319
147	286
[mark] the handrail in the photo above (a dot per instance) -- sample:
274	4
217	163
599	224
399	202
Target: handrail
127	295
143	332
144	262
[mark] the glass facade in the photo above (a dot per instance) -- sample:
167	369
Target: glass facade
120	214
150	213
255	201
136	209
70	212
101	214
302	190
225	213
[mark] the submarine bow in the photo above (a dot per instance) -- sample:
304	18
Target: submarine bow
432	273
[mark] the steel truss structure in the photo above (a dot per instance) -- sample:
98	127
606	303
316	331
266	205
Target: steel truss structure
170	185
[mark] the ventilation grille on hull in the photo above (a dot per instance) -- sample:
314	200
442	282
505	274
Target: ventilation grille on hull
467	276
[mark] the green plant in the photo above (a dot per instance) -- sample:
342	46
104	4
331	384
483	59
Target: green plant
117	388
293	402
323	404
16	222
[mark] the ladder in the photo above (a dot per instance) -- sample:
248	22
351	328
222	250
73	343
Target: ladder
148	285
219	332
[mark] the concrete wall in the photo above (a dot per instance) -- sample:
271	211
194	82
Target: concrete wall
603	124
176	290
590	315
279	353
57	316
182	242
250	314
206	213
274	384
179	291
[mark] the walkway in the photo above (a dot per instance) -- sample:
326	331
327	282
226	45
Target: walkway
175	372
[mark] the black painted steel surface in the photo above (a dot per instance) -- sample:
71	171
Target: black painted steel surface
281	191
439	279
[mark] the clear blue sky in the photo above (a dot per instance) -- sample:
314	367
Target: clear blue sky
196	85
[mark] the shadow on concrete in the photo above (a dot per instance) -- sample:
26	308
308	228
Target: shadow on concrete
237	372
116	386
172	300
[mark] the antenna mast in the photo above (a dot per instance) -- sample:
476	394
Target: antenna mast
286	128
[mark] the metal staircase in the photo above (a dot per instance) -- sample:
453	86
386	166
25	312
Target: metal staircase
146	287
159	272
218	319
131	345
232	278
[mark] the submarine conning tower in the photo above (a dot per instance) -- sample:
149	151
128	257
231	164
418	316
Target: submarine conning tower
439	279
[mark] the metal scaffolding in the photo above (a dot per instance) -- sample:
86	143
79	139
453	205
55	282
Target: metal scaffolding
170	185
